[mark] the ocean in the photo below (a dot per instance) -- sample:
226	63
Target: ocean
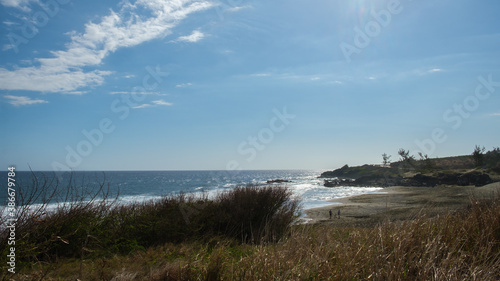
136	186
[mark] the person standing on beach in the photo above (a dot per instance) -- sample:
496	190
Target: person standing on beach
330	214
338	213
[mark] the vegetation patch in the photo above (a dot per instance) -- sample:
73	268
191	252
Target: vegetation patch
96	227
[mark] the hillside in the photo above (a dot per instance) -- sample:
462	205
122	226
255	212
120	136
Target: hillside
456	170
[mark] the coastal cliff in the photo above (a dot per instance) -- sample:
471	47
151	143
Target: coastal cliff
458	171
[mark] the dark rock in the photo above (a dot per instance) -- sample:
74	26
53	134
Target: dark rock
373	180
278	181
376	175
420	180
448	179
474	178
338	182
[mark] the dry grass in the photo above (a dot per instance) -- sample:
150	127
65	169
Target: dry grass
87	234
454	246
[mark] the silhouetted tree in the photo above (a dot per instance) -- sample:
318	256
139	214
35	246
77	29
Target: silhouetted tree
386	159
406	158
492	158
478	156
426	164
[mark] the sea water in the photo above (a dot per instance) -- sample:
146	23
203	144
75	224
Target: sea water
137	186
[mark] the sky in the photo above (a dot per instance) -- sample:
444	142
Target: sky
244	84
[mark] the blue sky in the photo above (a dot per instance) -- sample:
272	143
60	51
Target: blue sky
244	84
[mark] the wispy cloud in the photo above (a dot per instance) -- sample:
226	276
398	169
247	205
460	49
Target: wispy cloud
64	71
162	102
142	93
434	70
9	23
239	8
142	106
261	74
423	71
336	82
22	100
184	85
76	92
153	104
495	114
195	36
19	4
326	78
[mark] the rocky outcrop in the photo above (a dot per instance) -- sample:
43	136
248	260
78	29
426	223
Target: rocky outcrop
365	181
461	179
347	172
277	181
474	178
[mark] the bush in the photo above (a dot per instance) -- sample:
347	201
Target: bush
256	214
94	226
69	230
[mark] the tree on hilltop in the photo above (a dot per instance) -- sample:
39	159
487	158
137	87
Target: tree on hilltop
426	163
406	158
478	156
386	159
405	155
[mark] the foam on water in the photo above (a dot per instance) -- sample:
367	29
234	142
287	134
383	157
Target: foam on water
143	186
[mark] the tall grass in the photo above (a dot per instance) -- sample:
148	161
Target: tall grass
93	226
453	246
190	238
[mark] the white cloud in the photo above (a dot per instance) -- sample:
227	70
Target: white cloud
261	74
46	79
7	47
19	4
9	23
21	100
76	92
162	102
63	72
239	8
495	114
422	72
142	93
153	104
434	70
195	36
184	85
142	106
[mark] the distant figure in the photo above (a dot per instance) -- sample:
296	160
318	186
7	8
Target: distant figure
338	213
330	214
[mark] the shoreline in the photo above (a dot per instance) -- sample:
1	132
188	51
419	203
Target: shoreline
397	203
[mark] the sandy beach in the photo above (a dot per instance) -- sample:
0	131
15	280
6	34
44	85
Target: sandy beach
399	203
